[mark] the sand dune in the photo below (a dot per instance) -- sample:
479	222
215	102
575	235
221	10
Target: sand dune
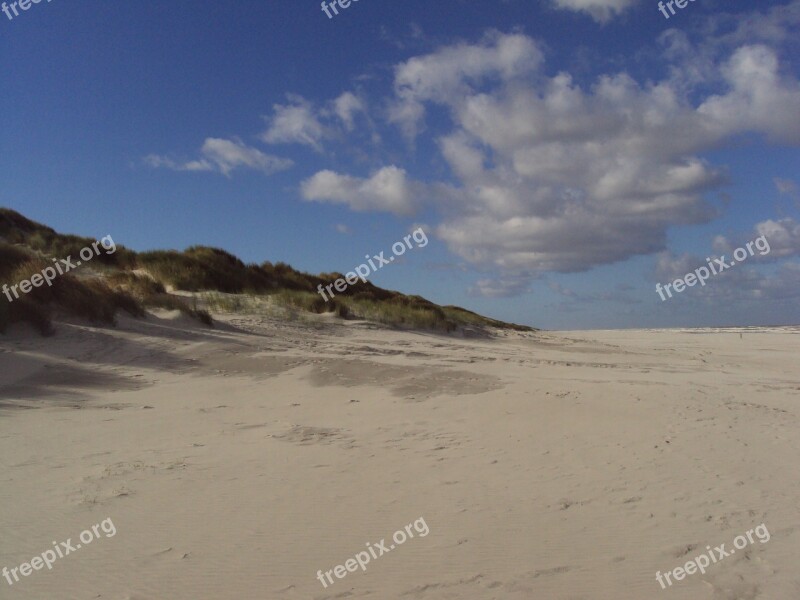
237	462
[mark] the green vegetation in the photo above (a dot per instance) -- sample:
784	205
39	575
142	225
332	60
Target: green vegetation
16	229
131	281
150	293
92	299
467	317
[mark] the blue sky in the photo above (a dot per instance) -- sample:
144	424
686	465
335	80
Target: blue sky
564	156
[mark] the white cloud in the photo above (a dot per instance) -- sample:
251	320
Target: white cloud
223	156
300	122
295	123
231	154
386	190
158	162
545	173
553	176
758	99
346	107
774	25
783	237
452	72
731	287
601	11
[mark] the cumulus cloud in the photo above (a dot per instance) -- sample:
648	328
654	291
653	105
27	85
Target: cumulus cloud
732	287
552	175
301	122
295	123
346	107
231	154
388	189
745	283
549	173
601	11
454	71
783	237
555	176
774	25
758	98
223	156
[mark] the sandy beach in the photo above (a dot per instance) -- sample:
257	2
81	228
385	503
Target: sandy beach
239	461
411	300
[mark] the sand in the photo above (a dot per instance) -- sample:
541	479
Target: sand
238	461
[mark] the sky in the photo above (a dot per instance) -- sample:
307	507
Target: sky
566	159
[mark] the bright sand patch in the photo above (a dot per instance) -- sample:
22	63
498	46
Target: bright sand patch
237	462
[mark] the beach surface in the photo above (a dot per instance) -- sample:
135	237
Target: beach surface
237	462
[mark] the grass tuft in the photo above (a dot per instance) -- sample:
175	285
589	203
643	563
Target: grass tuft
152	294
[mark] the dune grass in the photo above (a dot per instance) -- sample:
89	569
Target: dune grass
92	299
151	294
11	257
96	299
203	271
17	229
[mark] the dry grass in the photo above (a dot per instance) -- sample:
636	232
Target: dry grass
17	229
92	299
96	299
199	269
152	294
